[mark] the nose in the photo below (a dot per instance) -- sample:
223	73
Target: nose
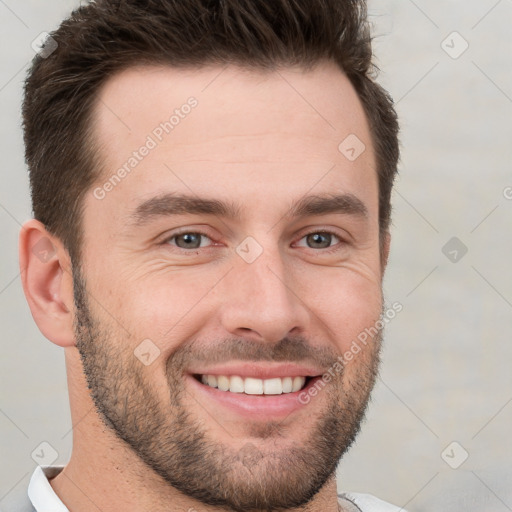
261	300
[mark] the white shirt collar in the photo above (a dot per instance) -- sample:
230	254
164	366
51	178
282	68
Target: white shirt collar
44	499
40	491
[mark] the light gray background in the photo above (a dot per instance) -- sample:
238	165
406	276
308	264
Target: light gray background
446	374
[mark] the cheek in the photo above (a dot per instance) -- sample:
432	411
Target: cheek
168	306
344	306
164	306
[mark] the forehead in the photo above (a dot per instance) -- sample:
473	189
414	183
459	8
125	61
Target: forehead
231	129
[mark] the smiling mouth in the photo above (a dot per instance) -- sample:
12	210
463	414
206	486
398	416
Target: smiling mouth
254	386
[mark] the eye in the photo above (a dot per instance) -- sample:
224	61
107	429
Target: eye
188	240
320	239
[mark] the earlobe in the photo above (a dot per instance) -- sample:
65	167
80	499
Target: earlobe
47	282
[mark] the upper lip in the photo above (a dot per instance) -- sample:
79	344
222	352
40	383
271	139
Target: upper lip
260	371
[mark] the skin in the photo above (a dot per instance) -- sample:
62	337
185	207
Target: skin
263	141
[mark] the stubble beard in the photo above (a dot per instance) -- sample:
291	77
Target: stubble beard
174	444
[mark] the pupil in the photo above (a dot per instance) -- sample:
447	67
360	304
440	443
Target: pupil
322	239
190	240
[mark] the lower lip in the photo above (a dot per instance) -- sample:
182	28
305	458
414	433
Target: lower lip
260	407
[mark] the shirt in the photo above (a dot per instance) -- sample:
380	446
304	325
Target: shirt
43	497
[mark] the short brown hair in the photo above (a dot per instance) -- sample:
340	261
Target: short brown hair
107	36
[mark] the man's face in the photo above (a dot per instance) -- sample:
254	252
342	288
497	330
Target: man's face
264	285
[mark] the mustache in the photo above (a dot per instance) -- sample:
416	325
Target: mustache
293	350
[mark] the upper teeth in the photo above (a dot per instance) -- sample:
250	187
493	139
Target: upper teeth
251	386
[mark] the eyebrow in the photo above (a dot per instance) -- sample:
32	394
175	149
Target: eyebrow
167	205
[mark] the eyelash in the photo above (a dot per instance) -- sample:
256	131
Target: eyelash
327	250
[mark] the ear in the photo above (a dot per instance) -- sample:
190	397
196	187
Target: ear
47	282
385	245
